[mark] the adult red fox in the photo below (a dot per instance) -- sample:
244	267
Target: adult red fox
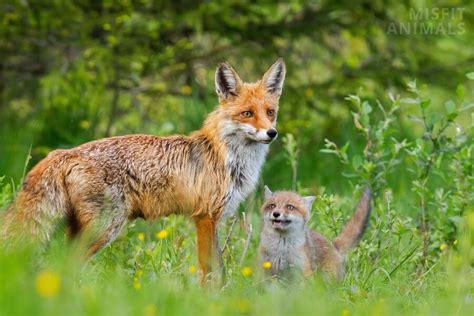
290	246
206	175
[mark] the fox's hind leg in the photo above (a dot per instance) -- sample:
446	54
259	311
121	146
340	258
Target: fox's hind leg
99	211
97	222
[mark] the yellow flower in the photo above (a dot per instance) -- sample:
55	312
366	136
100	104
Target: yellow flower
244	306
309	92
85	124
345	312
149	310
141	236
48	283
267	265
137	285
162	234
246	271
192	269
187	90
443	246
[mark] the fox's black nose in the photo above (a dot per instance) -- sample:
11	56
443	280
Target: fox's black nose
272	133
276	214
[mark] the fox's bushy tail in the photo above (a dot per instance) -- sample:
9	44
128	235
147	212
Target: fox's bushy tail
354	229
31	217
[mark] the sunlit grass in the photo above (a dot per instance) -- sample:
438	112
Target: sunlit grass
124	279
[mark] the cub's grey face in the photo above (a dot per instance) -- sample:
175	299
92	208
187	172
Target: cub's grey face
286	211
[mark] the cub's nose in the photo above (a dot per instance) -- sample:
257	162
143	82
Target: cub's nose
276	214
272	133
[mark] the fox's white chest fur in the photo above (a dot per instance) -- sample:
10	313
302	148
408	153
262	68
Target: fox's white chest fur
244	162
283	251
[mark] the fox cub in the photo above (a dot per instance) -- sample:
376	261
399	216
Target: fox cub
206	175
288	243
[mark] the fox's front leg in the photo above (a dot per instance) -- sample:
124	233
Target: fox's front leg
207	244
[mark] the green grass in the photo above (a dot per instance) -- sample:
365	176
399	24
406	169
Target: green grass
155	277
416	257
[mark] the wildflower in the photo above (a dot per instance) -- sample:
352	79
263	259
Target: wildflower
267	265
309	92
85	124
192	269
246	271
136	284
244	306
150	310
162	234
187	90
442	246
48	283
141	236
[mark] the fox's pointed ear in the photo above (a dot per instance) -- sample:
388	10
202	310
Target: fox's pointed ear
308	200
274	77
228	82
268	193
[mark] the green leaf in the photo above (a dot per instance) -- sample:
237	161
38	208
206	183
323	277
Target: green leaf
434	118
410	101
366	108
356	161
461	91
425	103
450	106
328	151
470	75
452	116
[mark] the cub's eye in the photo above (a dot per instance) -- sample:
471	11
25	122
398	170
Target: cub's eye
247	114
271	206
291	207
271	112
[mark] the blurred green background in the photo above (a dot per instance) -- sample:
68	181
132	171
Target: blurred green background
73	71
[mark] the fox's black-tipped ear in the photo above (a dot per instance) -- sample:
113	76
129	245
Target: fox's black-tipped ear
227	81
308	200
274	77
268	193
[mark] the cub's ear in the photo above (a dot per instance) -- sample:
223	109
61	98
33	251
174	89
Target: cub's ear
227	81
274	77
308	200
268	193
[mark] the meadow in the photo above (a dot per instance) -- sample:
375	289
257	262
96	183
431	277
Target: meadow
415	258
360	106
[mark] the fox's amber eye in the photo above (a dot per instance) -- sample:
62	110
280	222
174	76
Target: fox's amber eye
290	207
271	112
271	206
247	114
